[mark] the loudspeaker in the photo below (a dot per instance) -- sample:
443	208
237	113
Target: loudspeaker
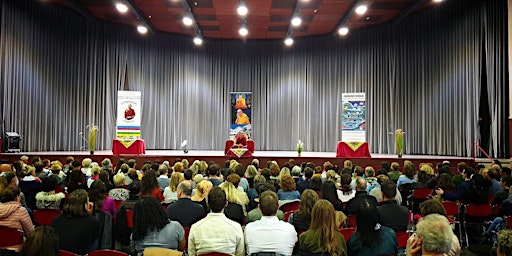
12	142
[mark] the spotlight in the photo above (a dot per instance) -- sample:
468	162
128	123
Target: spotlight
242	10
296	21
142	29
343	31
288	41
187	21
437	1
198	40
122	8
243	31
361	9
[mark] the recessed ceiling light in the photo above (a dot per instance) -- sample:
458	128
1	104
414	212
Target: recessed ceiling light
243	31
142	29
361	9
296	21
343	31
288	41
187	21
122	8
198	40
242	10
437	1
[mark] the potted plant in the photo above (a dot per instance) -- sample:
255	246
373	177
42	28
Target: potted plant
91	137
299	147
399	142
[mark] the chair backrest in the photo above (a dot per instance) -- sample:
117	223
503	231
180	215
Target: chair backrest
118	203
10	237
187	232
66	253
287	215
347	233
351	220
290	206
421	193
45	216
452	209
156	251
129	218
402	237
107	252
479	210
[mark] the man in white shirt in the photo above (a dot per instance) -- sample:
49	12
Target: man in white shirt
216	233
269	234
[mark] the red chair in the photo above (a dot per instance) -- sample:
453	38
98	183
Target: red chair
402	237
420	195
45	216
129	218
287	215
452	210
187	233
476	214
118	203
107	252
66	253
351	220
290	206
347	233
11	237
508	222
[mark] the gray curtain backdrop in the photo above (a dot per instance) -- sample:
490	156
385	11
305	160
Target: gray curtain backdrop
60	73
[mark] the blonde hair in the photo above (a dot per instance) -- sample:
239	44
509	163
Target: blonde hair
284	170
95	170
250	171
232	194
86	162
347	164
119	179
204	187
198	178
178	167
427	168
176	179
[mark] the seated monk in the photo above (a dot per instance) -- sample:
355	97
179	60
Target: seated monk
240	140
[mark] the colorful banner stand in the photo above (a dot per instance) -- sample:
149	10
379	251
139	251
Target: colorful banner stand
241	115
128	117
353	117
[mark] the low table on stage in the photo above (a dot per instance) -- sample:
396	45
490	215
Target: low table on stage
135	147
239	152
352	149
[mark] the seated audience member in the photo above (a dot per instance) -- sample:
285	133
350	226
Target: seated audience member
56	170
13	181
423	178
287	191
306	183
78	231
215	232
377	192
478	192
12	213
361	195
163	179
384	168
371	180
316	184
391	214
461	189
329	193
408	176
238	200
105	177
30	185
86	167
203	188
187	175
252	193
98	195
184	210
323	237
371	238
446	184
301	219
41	242
433	237
395	173
76	181
119	192
503	194
95	175
48	199
213	175
433	206
296	174
494	179
358	173
255	214
122	232
346	192
171	191
269	234
504	246
152	227
150	187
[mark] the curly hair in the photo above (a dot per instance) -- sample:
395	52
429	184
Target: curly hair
504	246
148	216
287	183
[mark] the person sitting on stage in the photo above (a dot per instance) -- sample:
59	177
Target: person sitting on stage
241	117
240	140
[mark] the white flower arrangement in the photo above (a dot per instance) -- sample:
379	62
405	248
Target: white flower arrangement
184	146
299	146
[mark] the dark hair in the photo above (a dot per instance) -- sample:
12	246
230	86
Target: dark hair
316	183
329	192
104	176
9	176
269	203
97	194
216	199
74	205
262	187
148	216
149	182
213	169
445	182
42	241
409	171
366	219
507	180
308	172
134	188
388	188
187	174
76	178
432	206
346	179
265	172
9	194
50	183
423	177
39	166
506	170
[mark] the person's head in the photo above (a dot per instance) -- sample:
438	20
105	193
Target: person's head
42	241
427	168
9	194
316	182
119	180
162	169
251	171
178	167
423	177
106	164
149	182
97	193
148	216
77	204
504	247
217	200
176	179
366	219
86	162
95	170
239	112
323	226
50	183
55	168
435	233
134	189
11	179
445	182
213	170
308	172
347	164
388	189
234	179
307	201
385	165
204	187
358	171
39	166
432	206
409	170
259	179
269	203
329	192
287	183
346	179
395	166
187	174
468	172
185	189
360	184
506	181
369	171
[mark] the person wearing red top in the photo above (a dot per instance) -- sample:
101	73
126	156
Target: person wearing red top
129	113
150	186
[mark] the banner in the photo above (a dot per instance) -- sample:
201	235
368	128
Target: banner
128	115
241	116
353	117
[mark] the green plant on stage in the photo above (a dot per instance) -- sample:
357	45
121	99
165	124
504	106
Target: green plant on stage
299	146
399	142
91	137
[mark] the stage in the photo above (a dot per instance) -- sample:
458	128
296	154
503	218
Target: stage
263	156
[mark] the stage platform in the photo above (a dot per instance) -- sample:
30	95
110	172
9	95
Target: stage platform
263	156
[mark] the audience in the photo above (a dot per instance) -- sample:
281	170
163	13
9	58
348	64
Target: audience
119	192
30	185
12	213
301	219
433	236
361	195
184	210
256	214
150	186
171	191
346	192
215	232
504	246
323	237
269	234
287	191
391	214
43	241
48	199
152	227
163	179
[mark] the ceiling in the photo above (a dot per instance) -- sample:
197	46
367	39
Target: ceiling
267	19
